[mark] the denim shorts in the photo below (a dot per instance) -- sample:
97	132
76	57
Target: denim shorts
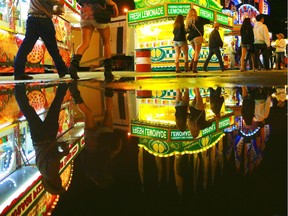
180	43
247	46
93	22
197	40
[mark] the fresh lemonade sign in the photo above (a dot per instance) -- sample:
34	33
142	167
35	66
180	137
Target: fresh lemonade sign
150	13
150	132
175	9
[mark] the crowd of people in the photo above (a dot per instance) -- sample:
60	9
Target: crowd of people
255	42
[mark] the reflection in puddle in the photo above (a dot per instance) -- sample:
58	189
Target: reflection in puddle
187	144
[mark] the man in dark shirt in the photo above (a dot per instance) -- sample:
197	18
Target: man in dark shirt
215	43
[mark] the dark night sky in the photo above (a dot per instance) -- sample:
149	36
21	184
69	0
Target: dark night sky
275	22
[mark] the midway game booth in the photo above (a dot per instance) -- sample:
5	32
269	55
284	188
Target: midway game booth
21	188
153	23
159	136
13	16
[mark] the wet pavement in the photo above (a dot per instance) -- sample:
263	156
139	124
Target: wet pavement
261	193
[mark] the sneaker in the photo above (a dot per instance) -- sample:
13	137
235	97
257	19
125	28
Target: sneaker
23	77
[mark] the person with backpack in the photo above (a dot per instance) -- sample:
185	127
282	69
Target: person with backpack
95	14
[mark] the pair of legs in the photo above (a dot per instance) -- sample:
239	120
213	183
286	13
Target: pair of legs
41	130
196	44
232	61
88	115
44	28
279	60
261	48
213	51
246	54
198	100
178	47
86	35
184	97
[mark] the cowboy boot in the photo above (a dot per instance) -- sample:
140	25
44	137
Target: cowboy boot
191	64
186	67
108	70
195	67
74	66
177	67
75	93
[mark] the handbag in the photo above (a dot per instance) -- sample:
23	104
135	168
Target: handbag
103	14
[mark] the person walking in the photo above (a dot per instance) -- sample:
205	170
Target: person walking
102	143
280	47
195	29
181	108
180	42
261	42
197	116
39	24
247	40
95	14
215	43
232	52
44	137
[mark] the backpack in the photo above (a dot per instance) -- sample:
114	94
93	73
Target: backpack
103	13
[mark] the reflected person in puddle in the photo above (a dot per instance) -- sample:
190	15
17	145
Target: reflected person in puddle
197	116
101	142
216	100
181	106
44	137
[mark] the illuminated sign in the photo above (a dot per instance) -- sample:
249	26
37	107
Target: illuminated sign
222	19
175	9
149	132
179	135
225	122
162	148
186	135
150	13
208	14
26	202
209	130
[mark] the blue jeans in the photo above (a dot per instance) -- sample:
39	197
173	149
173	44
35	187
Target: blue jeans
213	51
44	28
280	59
41	130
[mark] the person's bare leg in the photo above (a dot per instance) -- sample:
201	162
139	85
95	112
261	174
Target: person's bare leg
86	35
186	95
108	116
88	116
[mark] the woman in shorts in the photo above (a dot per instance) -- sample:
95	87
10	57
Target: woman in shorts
195	29
247	40
180	42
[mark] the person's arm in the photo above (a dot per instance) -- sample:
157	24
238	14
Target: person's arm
115	7
266	35
219	39
282	43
